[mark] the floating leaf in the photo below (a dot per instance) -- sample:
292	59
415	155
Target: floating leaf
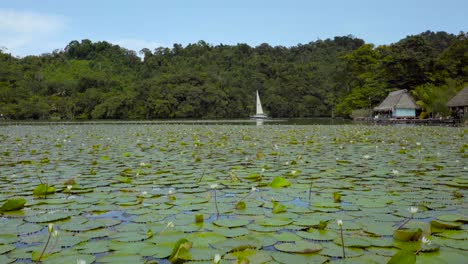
43	189
298	247
240	205
403	257
180	250
408	234
452	218
445	225
279	182
13	204
231	222
278	208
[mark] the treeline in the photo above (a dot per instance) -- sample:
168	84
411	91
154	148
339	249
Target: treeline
328	77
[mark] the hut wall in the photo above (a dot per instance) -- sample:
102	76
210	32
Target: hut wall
403	112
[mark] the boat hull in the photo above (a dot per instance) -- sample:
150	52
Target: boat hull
259	117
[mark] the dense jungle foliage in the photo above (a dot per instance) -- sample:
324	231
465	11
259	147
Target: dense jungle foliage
328	77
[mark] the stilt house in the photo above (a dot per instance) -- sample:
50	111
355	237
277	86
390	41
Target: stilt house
398	104
459	103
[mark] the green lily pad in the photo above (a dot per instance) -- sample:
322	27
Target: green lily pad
120	258
354	241
407	235
403	257
43	189
49	217
287	258
6	248
231	222
445	225
298	247
279	182
452	218
203	239
13	204
277	221
231	232
320	235
8	239
6	260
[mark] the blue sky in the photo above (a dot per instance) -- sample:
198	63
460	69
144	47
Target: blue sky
32	27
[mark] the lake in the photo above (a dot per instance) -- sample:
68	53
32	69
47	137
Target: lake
270	192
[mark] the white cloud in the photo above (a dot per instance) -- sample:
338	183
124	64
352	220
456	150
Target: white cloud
137	44
26	33
28	22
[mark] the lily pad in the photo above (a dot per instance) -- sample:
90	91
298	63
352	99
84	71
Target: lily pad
13	204
298	247
231	222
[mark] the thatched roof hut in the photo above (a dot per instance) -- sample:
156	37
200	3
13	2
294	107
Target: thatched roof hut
459	103
398	104
461	99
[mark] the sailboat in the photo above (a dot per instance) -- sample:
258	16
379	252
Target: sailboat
259	114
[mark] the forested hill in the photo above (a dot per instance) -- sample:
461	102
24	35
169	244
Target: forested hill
100	80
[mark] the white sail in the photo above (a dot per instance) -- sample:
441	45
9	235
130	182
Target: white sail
259	110
259	106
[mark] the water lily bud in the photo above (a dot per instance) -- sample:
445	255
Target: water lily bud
170	225
217	258
425	240
339	222
69	187
214	186
55	234
413	210
51	228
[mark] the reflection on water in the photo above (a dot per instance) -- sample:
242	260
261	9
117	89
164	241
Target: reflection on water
249	122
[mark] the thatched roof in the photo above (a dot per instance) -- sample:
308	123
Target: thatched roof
461	99
397	99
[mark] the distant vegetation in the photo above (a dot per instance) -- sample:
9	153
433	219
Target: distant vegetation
328	77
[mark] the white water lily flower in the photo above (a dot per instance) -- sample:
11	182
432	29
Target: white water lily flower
170	225
214	186
418	144
217	258
51	228
339	222
366	157
293	172
425	240
170	192
80	261
69	187
144	193
142	164
413	210
254	189
395	172
263	169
